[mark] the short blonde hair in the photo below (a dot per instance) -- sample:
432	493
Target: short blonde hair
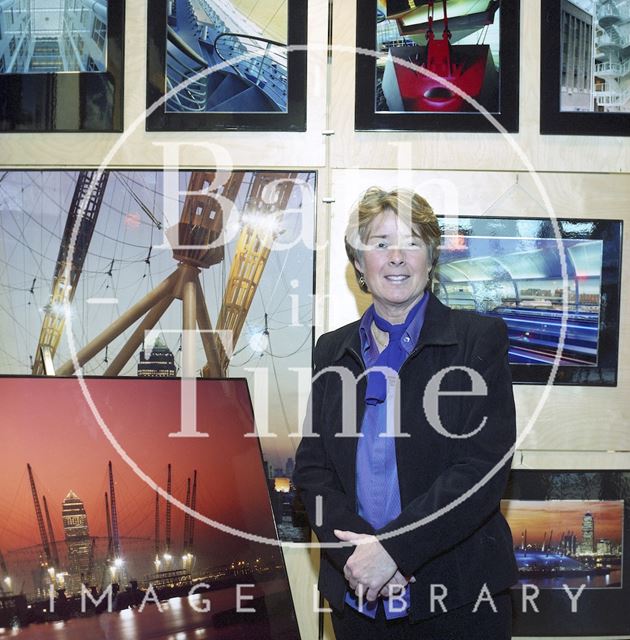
404	203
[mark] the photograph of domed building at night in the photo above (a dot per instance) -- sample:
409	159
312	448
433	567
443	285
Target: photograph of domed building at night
572	542
173	534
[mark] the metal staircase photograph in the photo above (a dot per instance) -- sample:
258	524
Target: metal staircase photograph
244	73
612	57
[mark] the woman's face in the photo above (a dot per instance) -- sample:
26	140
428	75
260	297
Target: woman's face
395	266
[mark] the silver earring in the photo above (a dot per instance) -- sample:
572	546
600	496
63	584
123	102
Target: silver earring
362	281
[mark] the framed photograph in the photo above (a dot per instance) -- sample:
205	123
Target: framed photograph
61	65
224	65
437	65
118	525
570	530
585	68
512	268
243	240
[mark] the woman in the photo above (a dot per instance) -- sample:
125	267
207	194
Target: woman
414	543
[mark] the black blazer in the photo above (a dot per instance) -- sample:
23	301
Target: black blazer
451	530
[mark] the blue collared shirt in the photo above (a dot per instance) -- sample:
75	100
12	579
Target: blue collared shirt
378	492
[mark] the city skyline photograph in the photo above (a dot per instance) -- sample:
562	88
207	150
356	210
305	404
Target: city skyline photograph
520	270
55	511
540	517
572	542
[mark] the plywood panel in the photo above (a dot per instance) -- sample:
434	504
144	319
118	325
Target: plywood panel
302	567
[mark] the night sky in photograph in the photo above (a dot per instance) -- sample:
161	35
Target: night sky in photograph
563	516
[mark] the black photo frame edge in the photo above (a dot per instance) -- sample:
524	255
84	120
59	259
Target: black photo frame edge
609	321
555	617
293	120
552	120
366	119
110	80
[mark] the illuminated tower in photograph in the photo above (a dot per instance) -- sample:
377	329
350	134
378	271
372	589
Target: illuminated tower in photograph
75	527
588	534
157	362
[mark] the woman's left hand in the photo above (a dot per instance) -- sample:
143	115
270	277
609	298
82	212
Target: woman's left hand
369	565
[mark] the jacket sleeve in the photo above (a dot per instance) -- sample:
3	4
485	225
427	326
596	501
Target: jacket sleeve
314	476
468	493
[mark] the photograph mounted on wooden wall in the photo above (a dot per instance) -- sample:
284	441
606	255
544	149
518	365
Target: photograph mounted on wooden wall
232	65
512	268
142	546
585	68
466	47
61	65
570	530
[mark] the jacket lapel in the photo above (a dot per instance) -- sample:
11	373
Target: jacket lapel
437	330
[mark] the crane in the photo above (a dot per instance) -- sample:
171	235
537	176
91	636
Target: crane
193	504
110	541
157	524
114	515
261	227
77	234
40	519
167	539
51	535
199	227
187	518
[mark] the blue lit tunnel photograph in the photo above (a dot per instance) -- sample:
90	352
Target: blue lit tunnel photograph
519	279
226	56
